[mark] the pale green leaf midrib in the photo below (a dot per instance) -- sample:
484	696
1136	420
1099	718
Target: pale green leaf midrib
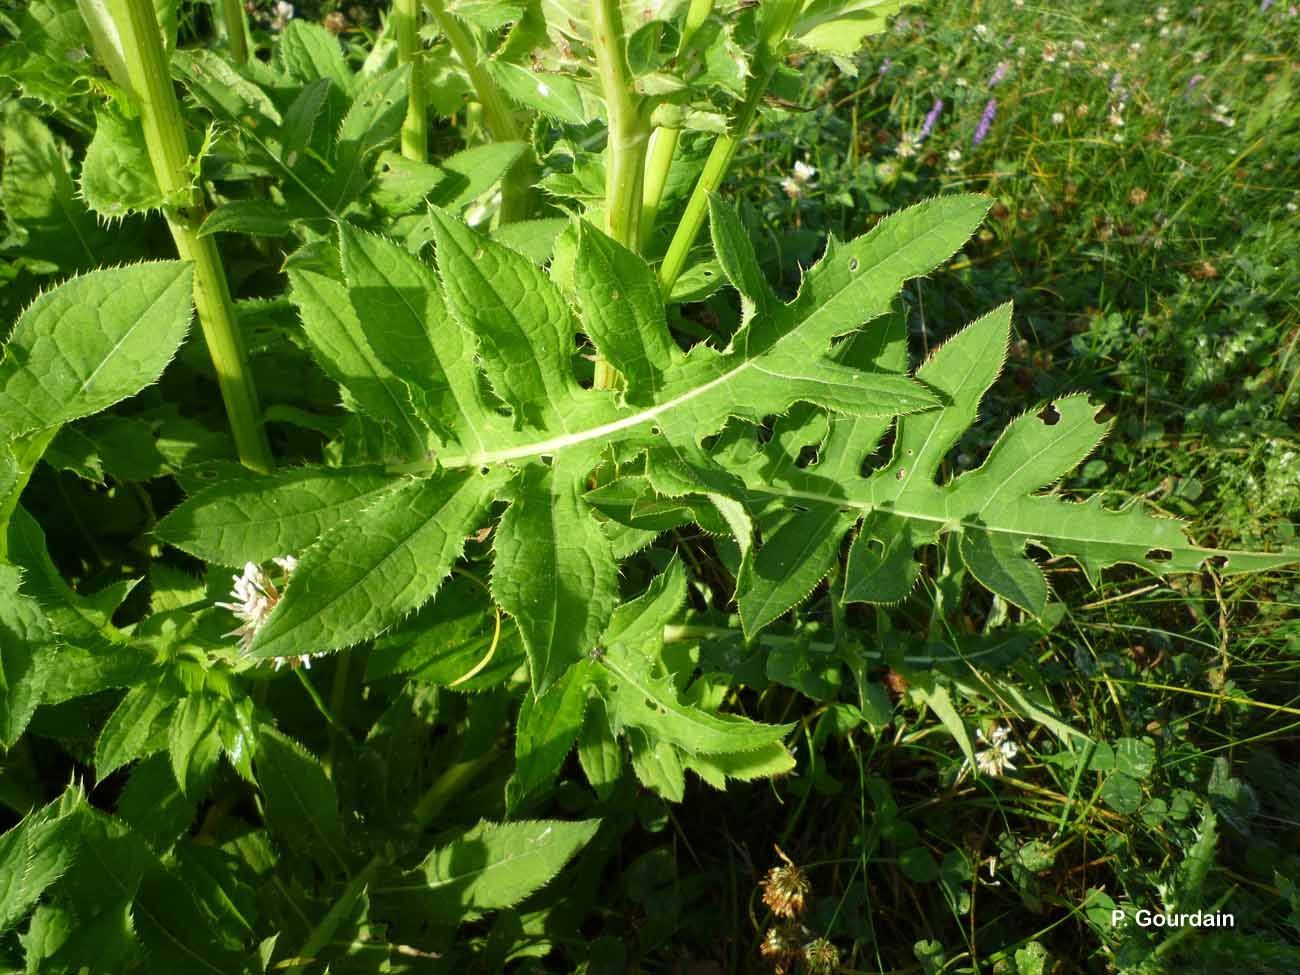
956	523
605	431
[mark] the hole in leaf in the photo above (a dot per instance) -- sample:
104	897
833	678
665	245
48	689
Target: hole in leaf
853	264
1050	415
656	431
547	459
807	456
880	457
1218	561
485	470
1159	554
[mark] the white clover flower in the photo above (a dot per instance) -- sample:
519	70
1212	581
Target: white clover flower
803	172
1162	14
793	188
281	14
254	596
1058	118
1116	119
982	30
1078	45
996	758
906	148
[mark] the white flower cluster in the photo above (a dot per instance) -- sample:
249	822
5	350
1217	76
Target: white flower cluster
253	597
996	758
795	184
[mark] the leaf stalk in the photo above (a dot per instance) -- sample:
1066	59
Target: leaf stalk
236	30
663	140
498	115
780	18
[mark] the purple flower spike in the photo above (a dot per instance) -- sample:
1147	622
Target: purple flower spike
998	74
931	117
986	122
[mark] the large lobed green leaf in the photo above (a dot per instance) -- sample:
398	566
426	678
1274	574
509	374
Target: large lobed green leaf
997	509
532	434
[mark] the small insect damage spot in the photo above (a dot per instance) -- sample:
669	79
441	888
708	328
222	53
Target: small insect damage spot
1159	555
1050	415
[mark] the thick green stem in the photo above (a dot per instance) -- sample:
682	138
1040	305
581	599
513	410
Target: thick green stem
625	146
415	129
164	134
236	32
451	782
780	18
498	116
625	150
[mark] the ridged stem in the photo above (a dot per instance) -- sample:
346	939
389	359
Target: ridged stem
780	17
626	143
498	115
415	129
164	135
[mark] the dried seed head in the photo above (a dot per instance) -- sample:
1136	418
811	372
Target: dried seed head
781	946
785	887
822	957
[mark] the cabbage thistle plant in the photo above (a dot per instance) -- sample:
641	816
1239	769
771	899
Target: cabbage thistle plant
540	505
